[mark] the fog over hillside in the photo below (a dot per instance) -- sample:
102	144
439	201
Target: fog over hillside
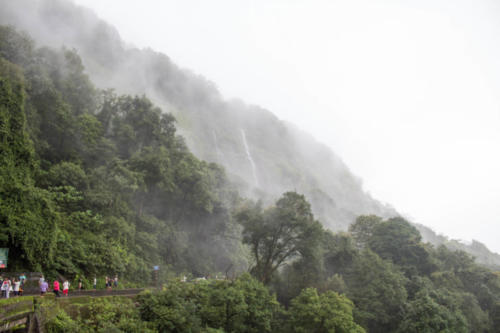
265	155
262	154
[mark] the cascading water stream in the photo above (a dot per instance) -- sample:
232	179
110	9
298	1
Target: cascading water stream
220	156
249	157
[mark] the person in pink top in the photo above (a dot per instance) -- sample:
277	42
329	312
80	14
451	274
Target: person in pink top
56	288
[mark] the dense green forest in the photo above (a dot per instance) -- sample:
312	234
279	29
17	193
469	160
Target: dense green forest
92	181
230	133
96	183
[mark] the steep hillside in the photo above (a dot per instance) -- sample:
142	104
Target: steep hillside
97	183
94	184
477	249
261	153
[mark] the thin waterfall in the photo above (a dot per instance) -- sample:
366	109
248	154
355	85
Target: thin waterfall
249	157
220	156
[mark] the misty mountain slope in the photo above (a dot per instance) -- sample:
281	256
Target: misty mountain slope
263	155
477	249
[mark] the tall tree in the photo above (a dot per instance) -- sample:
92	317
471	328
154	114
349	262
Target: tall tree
399	241
377	288
362	229
279	233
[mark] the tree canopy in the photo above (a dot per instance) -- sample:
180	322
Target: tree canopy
279	233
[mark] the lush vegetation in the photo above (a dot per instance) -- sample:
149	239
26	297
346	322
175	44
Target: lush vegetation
396	282
284	157
95	183
242	305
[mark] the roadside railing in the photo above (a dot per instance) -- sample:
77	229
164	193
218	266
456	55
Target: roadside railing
19	312
17	315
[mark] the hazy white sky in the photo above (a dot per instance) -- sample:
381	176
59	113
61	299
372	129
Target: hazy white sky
406	92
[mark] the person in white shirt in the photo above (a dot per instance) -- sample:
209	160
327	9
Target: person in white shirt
65	287
5	288
17	284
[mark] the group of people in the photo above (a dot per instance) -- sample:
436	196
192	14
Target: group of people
12	285
15	286
44	286
110	282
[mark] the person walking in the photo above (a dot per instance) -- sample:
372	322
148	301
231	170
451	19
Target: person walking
11	287
95	283
17	285
5	287
44	286
108	283
56	288
22	277
115	281
65	288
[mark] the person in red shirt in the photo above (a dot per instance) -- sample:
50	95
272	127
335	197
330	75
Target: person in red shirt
56	288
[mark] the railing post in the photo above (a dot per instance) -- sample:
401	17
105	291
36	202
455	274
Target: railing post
30	323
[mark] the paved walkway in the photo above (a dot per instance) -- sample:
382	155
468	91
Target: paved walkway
94	293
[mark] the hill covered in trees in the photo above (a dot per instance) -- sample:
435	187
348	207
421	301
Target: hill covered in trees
262	155
94	180
95	183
